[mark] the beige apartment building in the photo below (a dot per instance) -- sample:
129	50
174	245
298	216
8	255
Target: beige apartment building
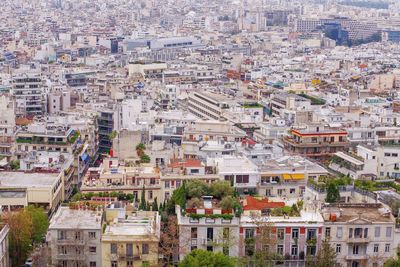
131	239
19	189
362	234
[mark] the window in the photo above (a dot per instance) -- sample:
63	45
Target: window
114	264
365	232
292	190
62	250
338	248
166	184
249	233
339	232
311	250
295	233
193	231
279	249
92	264
129	263
327	232
92	249
376	248
387	154
377	231
150	194
350	232
242	179
113	248
388	231
145	248
355	249
281	233
210	233
357	232
311	234
387	247
62	235
92	235
129	249
294	250
77	235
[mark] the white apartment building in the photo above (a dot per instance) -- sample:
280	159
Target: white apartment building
7	126
29	94
381	161
207	105
74	237
361	234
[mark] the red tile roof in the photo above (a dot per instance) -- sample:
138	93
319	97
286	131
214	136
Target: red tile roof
252	203
185	163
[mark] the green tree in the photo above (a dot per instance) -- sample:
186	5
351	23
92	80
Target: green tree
392	263
196	188
154	205
40	223
20	224
326	256
143	204
228	202
14	164
145	159
140	148
332	193
221	189
200	258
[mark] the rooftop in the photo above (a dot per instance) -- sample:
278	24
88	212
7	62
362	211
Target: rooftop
67	218
357	211
27	180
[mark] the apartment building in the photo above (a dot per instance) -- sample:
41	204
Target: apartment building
361	234
294	237
131	240
207	105
286	177
239	171
19	189
4	246
112	176
74	237
211	228
28	90
7	126
379	161
180	171
316	141
55	137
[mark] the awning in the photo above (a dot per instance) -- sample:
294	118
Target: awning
298	176
85	157
295	176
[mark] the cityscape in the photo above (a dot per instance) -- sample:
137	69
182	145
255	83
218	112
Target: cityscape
204	133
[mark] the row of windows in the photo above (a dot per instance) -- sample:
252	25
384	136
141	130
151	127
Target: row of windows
359	232
129	248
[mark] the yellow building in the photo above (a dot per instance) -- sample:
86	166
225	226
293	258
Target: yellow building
131	240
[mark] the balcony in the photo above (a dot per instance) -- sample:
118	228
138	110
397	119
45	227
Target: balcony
351	257
358	239
72	256
129	257
76	242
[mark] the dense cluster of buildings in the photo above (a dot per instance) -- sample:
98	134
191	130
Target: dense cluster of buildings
109	107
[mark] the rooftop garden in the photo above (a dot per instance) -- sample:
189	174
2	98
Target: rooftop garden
252	105
189	197
324	180
314	100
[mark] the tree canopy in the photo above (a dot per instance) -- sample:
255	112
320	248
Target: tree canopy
332	193
200	258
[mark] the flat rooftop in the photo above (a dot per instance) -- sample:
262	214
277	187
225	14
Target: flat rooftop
27	180
349	212
67	218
